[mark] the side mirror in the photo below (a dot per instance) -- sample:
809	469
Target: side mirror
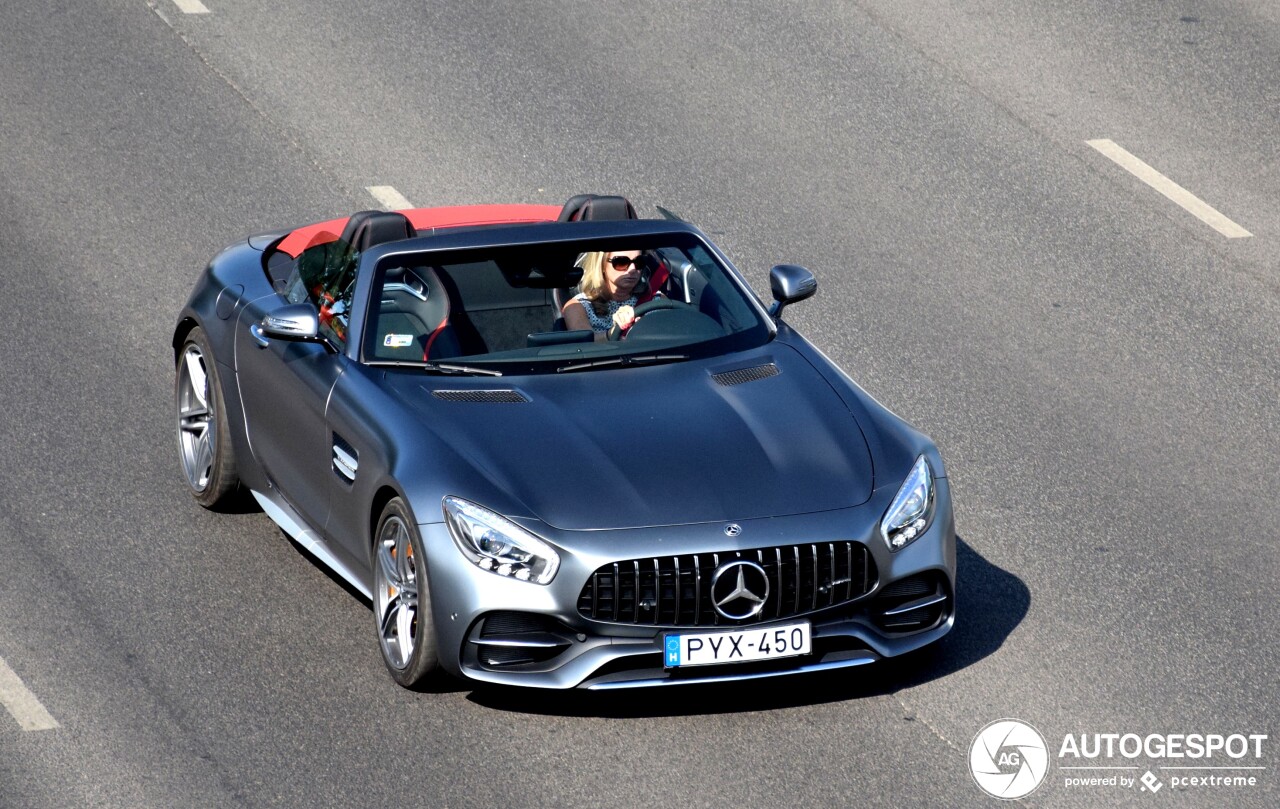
790	283
298	321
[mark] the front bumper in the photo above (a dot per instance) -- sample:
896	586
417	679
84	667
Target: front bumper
497	630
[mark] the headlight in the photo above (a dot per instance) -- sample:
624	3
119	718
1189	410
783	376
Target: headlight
498	545
911	511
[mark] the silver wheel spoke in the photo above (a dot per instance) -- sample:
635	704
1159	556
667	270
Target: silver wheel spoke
397	629
194	424
389	617
404	628
388	565
194	411
199	380
204	457
404	557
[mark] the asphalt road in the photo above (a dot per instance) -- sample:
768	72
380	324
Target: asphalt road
1097	365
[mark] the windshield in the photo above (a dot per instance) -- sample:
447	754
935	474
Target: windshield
504	310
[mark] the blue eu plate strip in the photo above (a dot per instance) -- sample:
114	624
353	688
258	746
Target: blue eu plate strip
673	650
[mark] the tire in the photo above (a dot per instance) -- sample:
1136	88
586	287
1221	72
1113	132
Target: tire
402	600
204	440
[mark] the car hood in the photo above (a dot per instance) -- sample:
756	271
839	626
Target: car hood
658	445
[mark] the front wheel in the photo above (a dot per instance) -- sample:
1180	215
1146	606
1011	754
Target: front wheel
204	439
402	599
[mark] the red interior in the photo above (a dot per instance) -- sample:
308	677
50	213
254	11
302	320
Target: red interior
424	220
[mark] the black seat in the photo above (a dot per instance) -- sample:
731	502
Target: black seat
593	207
368	228
414	317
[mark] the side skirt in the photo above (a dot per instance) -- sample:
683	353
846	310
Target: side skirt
292	525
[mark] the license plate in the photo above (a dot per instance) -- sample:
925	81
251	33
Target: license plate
736	646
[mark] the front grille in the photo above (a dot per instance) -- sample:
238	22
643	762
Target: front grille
676	590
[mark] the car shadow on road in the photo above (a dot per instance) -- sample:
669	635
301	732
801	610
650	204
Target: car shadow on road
991	602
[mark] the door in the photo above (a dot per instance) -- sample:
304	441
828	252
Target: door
284	388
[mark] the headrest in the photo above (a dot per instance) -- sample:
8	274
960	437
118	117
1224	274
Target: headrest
368	228
590	207
572	209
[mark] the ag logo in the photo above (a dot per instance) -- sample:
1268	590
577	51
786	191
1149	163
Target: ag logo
1008	759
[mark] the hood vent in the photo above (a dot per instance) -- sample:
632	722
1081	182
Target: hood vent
742	375
507	396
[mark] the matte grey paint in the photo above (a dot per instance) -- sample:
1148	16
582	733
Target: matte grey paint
802	456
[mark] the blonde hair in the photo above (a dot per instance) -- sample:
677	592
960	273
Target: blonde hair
592	284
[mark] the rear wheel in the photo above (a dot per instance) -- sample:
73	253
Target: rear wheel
402	600
204	440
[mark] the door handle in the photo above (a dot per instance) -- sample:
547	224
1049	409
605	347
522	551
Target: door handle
255	331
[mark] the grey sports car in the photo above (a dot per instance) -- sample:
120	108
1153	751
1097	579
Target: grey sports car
703	497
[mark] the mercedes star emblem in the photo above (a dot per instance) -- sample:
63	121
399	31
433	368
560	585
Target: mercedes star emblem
739	589
732	529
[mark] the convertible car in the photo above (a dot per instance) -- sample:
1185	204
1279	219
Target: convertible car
705	497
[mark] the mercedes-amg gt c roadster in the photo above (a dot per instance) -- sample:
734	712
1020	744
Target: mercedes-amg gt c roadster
702	497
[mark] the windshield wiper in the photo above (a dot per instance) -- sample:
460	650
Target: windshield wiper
647	359
436	367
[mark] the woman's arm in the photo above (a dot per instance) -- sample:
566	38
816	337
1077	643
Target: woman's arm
575	318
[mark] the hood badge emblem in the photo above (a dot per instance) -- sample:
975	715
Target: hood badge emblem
732	529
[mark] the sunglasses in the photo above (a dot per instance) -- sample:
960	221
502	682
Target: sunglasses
622	262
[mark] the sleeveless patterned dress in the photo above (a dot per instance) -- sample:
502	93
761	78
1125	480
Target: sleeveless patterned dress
605	323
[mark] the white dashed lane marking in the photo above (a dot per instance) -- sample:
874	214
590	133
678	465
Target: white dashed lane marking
390	198
191	6
1190	202
21	704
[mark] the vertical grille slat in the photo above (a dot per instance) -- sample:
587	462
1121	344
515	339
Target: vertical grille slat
848	588
657	592
832	573
715	616
676	590
777	602
795	608
813	549
697	592
636	594
760	561
866	571
617	592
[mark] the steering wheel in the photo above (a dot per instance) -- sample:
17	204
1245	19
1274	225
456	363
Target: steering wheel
645	308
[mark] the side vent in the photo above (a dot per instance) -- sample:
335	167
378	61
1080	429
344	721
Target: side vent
482	396
742	375
345	460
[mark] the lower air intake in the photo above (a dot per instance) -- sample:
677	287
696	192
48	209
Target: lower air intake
913	604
